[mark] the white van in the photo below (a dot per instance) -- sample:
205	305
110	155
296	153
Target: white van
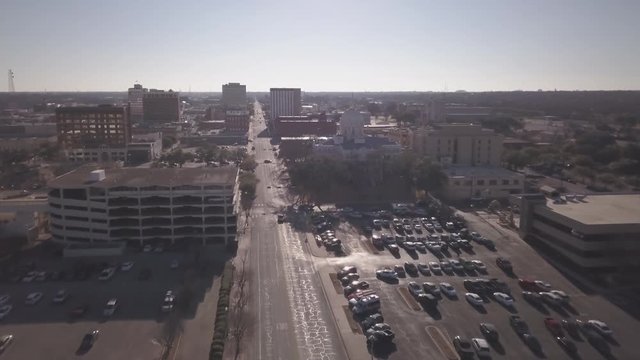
366	304
481	346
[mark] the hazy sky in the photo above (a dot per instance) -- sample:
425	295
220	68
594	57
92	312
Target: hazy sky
349	45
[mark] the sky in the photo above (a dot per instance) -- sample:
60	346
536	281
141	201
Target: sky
321	45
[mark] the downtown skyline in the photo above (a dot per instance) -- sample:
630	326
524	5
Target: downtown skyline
329	46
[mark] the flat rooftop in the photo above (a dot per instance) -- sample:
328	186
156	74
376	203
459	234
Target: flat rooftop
136	177
480	171
601	209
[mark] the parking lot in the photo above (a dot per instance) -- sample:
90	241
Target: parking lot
421	333
136	330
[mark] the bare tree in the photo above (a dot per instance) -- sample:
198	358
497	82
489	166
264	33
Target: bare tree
240	319
171	328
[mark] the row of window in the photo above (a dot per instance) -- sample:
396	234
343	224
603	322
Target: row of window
481	182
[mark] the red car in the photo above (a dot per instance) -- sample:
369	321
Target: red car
529	285
553	326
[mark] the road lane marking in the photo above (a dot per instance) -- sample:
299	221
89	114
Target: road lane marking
408	299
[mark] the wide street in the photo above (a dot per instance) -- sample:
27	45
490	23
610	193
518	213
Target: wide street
292	320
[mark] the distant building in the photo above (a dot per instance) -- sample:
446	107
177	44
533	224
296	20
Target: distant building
352	143
135	98
481	182
434	113
237	120
303	125
234	96
92	126
285	102
161	106
596	231
459	144
144	206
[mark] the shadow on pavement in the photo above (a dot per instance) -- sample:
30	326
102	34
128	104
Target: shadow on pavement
497	346
383	350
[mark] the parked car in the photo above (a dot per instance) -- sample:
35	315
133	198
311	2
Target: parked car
518	325
168	302
562	295
553	326
424	269
111	307
504	264
126	266
399	270
431	288
5	310
600	327
371	320
435	267
568	345
474	299
532	297
415	289
350	269
106	274
4	298
33	298
410	268
503	299
60	297
481	346
479	265
532	342
463	347
448	289
489	331
387	274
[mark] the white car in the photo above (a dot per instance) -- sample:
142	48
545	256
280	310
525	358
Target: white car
5	310
435	267
561	294
448	289
543	285
60	297
126	266
111	307
29	277
33	298
106	274
503	299
146	248
551	298
4	298
445	265
479	265
474	299
475	236
481	346
169	300
600	327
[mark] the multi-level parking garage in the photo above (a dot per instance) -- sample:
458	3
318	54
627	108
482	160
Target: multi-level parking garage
143	206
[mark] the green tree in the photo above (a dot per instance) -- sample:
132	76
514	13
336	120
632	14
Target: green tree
168	141
248	163
429	176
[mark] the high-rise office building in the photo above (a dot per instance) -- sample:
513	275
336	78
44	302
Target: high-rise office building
161	106
285	101
234	96
136	93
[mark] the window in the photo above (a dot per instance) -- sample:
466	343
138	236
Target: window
493	182
480	182
77	218
505	181
516	182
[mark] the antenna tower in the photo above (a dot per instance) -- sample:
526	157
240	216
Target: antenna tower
12	87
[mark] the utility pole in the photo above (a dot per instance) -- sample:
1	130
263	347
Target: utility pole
12	86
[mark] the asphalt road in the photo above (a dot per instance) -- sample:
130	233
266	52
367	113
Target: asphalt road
457	317
292	319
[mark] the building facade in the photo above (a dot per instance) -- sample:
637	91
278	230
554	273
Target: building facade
135	96
234	96
596	231
92	127
481	183
161	106
285	101
237	120
459	144
304	125
144	206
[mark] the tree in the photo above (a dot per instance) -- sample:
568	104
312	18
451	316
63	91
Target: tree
585	173
248	164
373	108
168	141
429	176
